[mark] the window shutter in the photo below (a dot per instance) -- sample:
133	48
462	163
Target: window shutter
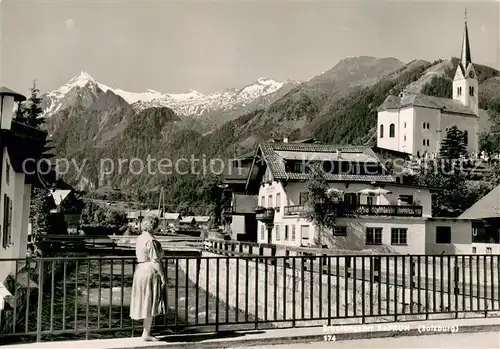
10	222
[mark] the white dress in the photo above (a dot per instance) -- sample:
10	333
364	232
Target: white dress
146	287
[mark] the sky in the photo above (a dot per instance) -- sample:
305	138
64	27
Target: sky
211	46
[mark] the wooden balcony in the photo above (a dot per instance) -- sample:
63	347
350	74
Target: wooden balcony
366	210
265	215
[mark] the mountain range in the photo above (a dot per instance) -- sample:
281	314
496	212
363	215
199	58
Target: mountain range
90	121
217	107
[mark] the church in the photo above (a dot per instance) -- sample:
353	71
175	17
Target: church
416	124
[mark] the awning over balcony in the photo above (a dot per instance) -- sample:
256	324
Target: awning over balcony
377	191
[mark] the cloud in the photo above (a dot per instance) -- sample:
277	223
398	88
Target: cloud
70	23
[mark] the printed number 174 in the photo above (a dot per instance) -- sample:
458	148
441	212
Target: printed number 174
329	338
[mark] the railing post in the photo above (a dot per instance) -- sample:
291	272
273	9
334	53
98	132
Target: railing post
413	274
273	254
348	266
40	301
376	269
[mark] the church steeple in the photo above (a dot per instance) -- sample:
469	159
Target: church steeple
465	58
465	84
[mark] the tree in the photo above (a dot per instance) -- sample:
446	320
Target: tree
31	114
455	192
453	146
215	189
324	204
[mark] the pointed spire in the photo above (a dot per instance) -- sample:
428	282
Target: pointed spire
465	58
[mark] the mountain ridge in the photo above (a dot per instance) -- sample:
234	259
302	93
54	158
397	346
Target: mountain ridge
191	103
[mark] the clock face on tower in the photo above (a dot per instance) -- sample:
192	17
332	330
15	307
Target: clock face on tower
471	74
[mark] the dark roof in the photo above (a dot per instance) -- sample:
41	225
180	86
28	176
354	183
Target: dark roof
244	203
418	100
465	57
392	154
23	142
8	92
273	155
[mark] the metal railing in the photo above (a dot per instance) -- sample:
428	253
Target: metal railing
56	298
367	210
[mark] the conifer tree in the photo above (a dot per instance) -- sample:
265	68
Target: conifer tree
453	145
31	114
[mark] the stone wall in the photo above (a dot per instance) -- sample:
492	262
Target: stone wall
302	294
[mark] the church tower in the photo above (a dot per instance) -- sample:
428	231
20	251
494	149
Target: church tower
465	84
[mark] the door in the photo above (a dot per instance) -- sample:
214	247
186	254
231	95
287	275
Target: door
269	235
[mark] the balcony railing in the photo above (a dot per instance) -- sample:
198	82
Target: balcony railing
264	214
54	298
367	210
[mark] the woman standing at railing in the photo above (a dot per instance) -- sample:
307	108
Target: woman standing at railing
149	278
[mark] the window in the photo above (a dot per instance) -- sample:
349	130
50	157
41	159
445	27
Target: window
7	221
277	232
474	250
304	232
278	201
406	199
423	142
381	131
303	198
293	232
286	232
488	250
369	200
459	91
351	198
404	138
427	142
263	201
471	90
399	236
297	167
404	125
270	201
7	172
466	137
392	130
423	125
340	231
373	236
262	232
443	235
428	126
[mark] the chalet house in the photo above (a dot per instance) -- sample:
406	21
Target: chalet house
135	217
67	210
239	199
485	217
384	215
187	223
202	222
171	219
21	147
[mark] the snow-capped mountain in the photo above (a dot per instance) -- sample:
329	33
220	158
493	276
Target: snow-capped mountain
191	103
